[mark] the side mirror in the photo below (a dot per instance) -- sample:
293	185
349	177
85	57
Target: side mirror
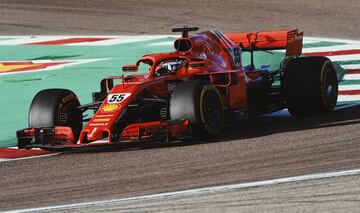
197	64
129	68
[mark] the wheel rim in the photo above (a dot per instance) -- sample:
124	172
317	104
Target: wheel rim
212	110
330	85
72	117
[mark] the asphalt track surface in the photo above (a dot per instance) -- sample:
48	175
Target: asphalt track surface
329	18
336	194
266	148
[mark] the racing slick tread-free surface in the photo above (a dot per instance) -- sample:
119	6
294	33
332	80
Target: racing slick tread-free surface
47	105
304	85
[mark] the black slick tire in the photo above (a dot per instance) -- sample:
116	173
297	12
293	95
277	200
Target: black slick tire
56	107
310	86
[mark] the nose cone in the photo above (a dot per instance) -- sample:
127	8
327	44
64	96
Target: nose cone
94	134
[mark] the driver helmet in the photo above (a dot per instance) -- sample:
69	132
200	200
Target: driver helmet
173	65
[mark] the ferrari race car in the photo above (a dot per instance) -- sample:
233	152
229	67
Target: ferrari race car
191	92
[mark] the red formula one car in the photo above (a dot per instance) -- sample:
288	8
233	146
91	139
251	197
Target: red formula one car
190	93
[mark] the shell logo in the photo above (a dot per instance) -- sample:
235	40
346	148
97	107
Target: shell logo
110	107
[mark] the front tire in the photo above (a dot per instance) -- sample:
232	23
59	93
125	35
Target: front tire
310	86
56	107
199	102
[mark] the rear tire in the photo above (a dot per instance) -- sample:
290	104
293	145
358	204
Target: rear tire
56	107
310	86
199	102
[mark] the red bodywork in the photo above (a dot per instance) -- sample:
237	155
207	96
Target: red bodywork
210	55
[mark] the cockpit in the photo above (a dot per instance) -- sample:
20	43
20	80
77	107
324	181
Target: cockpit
169	67
157	65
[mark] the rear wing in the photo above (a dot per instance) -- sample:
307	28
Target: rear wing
290	40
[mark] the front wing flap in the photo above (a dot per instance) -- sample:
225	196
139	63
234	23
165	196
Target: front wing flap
61	138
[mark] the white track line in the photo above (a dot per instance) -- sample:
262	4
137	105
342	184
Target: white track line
346	98
213	189
120	40
21	40
306	41
320	39
164	43
332	48
349	87
27	158
351	66
74	62
352	77
345	57
30	39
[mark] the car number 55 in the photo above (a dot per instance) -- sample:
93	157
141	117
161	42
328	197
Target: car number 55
118	98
